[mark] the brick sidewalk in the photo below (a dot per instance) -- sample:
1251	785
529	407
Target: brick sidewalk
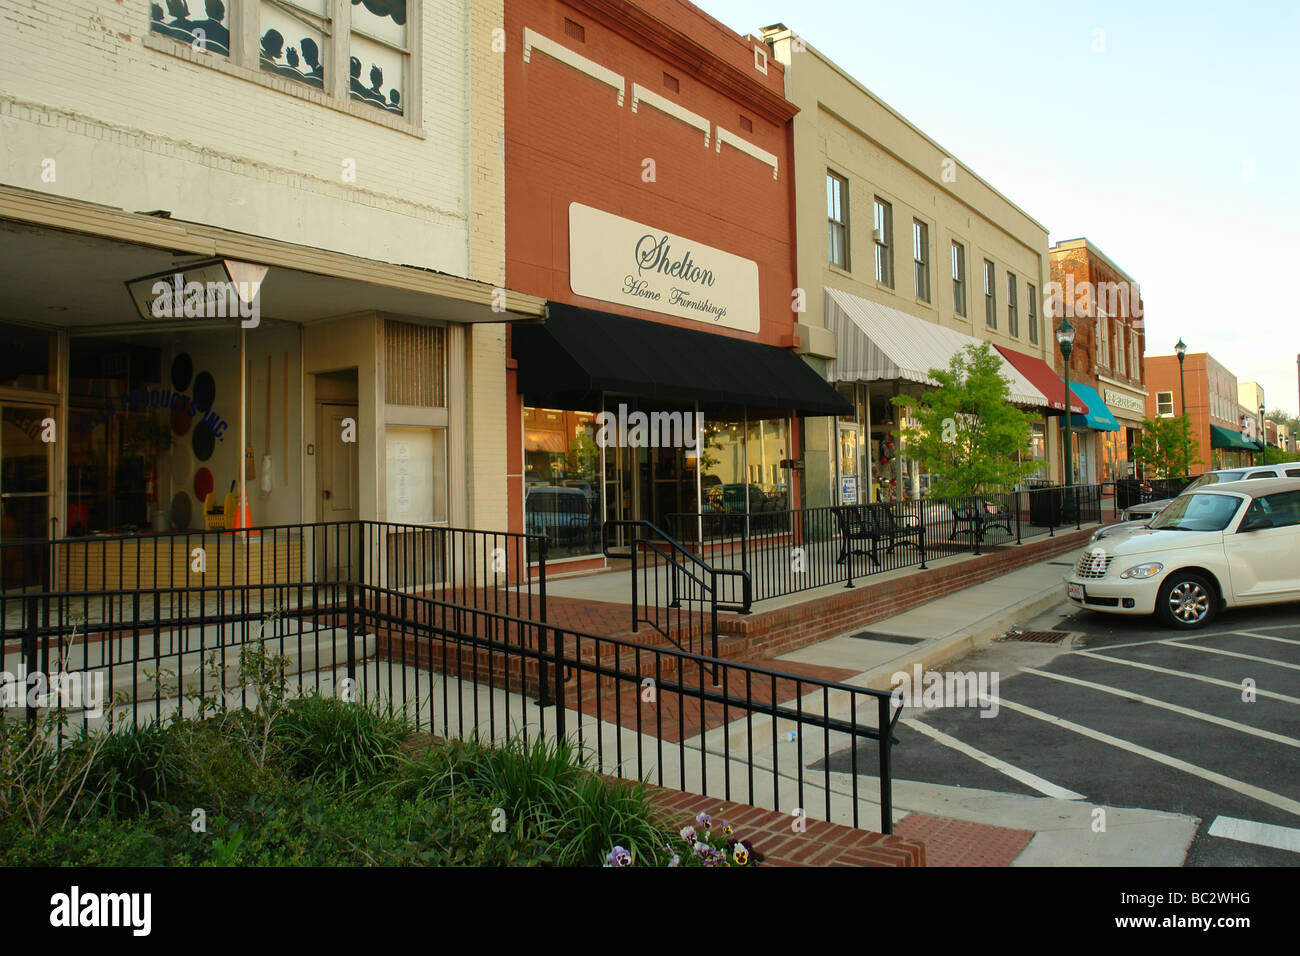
961	843
821	844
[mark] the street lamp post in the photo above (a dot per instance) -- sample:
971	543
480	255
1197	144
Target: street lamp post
1065	338
1263	438
1181	349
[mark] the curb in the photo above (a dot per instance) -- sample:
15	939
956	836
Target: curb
944	649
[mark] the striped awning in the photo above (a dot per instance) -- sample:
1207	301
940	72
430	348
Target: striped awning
874	342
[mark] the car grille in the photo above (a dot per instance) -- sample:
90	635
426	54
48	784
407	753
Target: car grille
1093	564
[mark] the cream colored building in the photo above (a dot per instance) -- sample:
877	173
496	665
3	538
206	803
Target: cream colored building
352	163
858	162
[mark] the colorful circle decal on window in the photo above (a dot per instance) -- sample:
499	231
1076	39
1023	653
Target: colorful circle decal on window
181	421
203	442
181	510
202	483
182	371
205	391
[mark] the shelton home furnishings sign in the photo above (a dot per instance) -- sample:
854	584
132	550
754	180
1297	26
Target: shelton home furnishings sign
618	260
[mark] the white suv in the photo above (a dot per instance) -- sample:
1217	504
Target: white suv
1222	545
1149	509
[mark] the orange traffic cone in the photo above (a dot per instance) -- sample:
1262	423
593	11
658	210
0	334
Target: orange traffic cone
243	520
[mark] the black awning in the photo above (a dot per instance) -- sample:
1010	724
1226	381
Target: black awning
576	354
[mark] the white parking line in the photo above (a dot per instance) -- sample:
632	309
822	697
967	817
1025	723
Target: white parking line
1247	789
1174	642
1260	834
1015	773
1272	695
1164	704
1269	637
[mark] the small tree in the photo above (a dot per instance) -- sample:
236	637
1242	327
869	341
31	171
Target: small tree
968	435
1166	448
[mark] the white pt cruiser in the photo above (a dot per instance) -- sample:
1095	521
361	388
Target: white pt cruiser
1224	545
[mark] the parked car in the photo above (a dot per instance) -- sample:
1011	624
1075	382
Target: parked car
1149	509
562	514
1224	544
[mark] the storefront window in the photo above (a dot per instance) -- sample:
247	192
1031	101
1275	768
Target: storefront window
767	441
416	475
562	477
1038	448
722	467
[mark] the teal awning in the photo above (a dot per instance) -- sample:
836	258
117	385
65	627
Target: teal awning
1226	438
1098	416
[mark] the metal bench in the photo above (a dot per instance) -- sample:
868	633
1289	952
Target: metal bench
877	523
856	524
976	519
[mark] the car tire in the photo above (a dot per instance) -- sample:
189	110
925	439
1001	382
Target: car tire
1187	600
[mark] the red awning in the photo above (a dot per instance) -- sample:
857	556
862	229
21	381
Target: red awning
1044	379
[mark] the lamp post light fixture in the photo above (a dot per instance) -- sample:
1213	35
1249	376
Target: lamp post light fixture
1181	349
1065	339
1263	437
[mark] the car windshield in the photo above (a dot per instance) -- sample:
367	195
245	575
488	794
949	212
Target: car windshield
1197	513
1213	478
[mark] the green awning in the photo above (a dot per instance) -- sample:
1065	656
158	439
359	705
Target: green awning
1224	438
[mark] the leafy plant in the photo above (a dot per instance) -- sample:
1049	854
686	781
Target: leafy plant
1165	447
968	435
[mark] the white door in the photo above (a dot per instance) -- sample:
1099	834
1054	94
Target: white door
337	486
1265	563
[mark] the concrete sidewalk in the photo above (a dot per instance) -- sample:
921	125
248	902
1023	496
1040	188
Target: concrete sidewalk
967	827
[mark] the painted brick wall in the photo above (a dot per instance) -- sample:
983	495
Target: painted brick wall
138	128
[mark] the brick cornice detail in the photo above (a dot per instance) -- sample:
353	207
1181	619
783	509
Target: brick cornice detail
688	54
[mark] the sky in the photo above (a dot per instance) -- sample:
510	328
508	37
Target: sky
1166	133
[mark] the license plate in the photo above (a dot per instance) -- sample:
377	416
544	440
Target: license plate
1075	591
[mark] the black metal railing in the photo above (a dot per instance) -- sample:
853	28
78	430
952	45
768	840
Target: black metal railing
676	719
483	568
801	549
1137	491
673	590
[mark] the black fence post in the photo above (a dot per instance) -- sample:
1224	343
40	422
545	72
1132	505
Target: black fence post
1016	497
351	630
560	729
541	576
30	665
920	516
885	727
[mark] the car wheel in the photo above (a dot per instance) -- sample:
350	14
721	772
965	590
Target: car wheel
1187	600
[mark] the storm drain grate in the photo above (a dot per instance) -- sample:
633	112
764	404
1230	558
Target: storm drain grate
1035	637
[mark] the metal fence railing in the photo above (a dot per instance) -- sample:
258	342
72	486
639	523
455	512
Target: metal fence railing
801	549
296	563
735	731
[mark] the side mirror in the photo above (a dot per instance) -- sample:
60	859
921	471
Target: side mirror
1256	524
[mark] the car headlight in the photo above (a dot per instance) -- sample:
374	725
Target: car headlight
1143	570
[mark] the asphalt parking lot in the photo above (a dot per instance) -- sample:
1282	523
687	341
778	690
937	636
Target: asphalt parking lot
1126	713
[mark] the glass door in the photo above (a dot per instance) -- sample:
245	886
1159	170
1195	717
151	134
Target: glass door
25	466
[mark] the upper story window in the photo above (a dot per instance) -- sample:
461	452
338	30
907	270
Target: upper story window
958	279
1165	404
299	40
1031	294
990	297
1119	349
1013	314
1103	340
921	259
837	220
884	231
1135	358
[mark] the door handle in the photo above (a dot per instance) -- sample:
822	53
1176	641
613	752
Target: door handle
326	494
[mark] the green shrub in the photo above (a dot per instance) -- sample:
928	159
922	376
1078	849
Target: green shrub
337	742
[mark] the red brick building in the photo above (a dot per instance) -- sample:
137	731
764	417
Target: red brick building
649	199
1104	304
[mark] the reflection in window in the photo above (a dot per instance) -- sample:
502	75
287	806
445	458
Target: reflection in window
292	40
562	480
27	359
205	32
722	467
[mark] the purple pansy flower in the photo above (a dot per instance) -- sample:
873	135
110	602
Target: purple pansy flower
619	857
